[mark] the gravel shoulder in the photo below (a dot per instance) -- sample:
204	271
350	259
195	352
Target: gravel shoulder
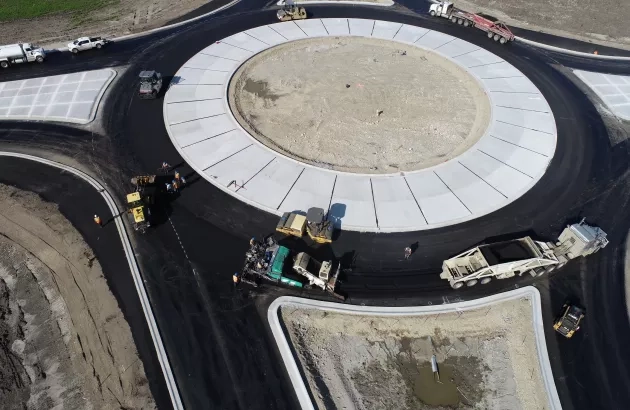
487	359
117	19
601	22
65	343
359	105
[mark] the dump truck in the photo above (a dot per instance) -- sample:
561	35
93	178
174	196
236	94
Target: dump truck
20	53
267	260
569	320
495	30
507	259
314	224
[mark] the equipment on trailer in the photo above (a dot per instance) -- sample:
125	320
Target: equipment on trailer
290	12
510	258
150	84
569	321
315	224
494	29
266	260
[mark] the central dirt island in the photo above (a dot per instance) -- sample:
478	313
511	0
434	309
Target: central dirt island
359	104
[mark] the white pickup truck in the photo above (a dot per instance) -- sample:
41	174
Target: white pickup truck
86	43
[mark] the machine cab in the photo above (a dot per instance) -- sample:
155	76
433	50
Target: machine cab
442	8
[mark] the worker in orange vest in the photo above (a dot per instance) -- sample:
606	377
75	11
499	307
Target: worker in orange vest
97	220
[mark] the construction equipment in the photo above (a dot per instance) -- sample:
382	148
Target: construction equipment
515	257
494	29
569	321
150	84
20	53
140	201
290	12
315	224
266	260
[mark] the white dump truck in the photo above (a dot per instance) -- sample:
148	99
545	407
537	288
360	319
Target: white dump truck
20	53
504	260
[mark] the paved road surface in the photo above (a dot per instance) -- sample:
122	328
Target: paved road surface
216	336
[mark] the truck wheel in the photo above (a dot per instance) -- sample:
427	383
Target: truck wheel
490	34
432	13
39	59
503	40
99	45
457	285
454	19
4	64
471	282
496	37
75	50
485	281
466	23
460	22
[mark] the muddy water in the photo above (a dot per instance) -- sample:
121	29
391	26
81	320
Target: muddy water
260	89
429	390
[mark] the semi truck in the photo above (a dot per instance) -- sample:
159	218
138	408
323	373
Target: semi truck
516	257
20	53
494	29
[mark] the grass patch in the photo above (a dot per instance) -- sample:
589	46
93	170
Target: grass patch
28	9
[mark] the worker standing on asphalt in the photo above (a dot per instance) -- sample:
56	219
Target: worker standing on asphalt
236	278
165	167
175	185
169	188
407	252
177	176
97	220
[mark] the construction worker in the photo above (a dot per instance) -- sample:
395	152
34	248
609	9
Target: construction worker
165	167
175	185
182	180
407	252
169	188
177	176
98	221
236	278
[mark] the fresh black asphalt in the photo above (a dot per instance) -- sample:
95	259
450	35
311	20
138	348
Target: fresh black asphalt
216	336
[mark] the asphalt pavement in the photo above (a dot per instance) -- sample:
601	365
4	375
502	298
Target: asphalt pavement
217	338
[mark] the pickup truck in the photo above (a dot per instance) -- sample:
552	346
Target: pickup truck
86	43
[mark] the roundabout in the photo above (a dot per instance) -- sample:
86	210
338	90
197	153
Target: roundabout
489	142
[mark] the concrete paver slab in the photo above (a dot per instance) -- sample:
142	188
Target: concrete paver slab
66	98
614	90
512	155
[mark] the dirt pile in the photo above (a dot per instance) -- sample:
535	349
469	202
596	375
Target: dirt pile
486	359
64	341
359	105
116	19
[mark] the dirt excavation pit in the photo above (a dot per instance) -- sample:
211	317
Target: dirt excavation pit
487	359
359	104
64	341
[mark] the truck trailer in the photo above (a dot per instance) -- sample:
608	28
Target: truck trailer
20	53
494	29
507	259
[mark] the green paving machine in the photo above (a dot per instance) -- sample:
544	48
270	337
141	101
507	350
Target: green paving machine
267	260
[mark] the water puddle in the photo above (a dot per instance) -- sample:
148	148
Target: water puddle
259	89
429	390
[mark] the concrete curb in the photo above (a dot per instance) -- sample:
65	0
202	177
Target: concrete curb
356	3
133	266
158	29
293	370
570	52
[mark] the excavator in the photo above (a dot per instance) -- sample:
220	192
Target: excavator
314	224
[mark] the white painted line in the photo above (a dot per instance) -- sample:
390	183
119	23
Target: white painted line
133	267
521	136
293	370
